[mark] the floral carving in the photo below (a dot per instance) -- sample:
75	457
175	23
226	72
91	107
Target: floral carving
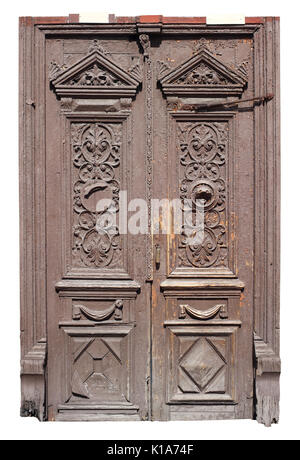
55	70
203	148
162	69
96	158
202	75
95	76
136	70
96	45
201	44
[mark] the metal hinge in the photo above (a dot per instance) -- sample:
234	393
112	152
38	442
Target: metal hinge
208	105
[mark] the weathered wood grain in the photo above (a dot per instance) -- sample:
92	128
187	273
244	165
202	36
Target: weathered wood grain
104	334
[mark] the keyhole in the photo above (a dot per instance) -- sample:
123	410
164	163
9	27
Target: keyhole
204	196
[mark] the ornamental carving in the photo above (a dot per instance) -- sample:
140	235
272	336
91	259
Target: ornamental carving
97	370
145	43
93	75
202	75
202	173
96	159
116	308
96	76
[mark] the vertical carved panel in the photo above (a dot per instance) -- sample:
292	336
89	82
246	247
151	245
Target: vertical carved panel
203	153
145	43
96	156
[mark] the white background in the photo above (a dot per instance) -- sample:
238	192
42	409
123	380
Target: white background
14	427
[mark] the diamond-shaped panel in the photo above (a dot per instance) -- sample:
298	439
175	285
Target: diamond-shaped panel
202	363
97	370
98	350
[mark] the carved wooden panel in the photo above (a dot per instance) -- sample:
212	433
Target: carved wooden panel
97	155
96	149
202	74
204	151
204	165
97	364
82	310
95	74
202	363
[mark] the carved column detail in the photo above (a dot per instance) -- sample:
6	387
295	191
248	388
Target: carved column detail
145	42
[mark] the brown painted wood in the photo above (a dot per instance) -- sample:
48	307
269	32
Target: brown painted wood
147	326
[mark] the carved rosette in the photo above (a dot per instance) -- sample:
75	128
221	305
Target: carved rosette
96	160
203	152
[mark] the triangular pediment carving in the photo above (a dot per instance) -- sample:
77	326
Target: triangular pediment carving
203	74
95	75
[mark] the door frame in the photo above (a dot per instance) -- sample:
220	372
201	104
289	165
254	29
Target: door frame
33	35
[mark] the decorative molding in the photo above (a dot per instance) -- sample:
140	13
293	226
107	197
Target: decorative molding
95	75
267	393
66	104
32	58
137	71
97	288
96	45
54	70
130	29
267	186
93	315
162	69
267	223
208	323
202	363
202	44
234	286
243	68
202	314
97	363
33	363
173	103
126	103
203	74
145	43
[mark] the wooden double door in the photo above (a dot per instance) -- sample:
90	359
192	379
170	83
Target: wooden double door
136	321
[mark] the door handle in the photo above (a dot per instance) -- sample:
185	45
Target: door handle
157	256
